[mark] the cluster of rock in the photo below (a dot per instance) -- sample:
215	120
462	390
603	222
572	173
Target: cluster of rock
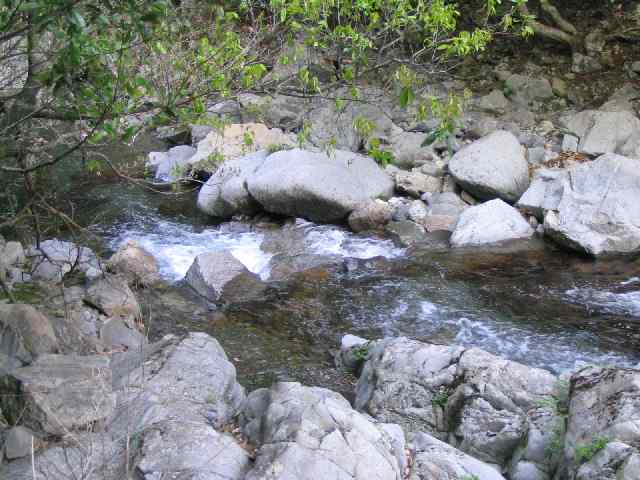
174	409
98	313
524	422
478	186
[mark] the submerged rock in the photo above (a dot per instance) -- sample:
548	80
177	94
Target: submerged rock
492	167
490	222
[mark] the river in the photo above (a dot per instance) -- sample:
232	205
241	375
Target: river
536	305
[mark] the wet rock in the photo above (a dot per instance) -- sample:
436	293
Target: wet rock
313	433
604	410
171	165
225	193
492	167
370	215
406	233
55	258
598	212
136	264
602	131
416	184
490	222
284	267
221	276
59	394
316	186
25	333
434	459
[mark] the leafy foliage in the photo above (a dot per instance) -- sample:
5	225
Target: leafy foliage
586	452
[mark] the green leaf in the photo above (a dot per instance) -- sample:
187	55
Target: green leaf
407	96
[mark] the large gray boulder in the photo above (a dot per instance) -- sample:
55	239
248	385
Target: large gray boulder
25	333
59	394
492	399
317	186
434	459
475	401
190	392
173	400
225	194
402	378
602	132
492	167
313	433
598	213
221	276
490	222
604	409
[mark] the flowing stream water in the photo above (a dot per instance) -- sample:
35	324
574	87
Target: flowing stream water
537	305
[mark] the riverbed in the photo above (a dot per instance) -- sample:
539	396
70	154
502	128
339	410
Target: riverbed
531	303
